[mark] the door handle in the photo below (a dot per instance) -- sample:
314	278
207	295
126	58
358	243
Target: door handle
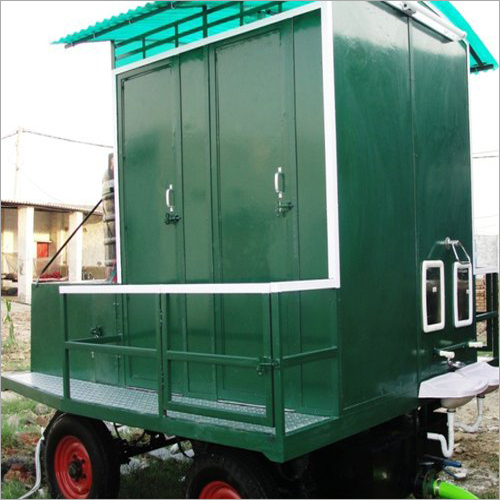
170	217
169	195
282	207
279	182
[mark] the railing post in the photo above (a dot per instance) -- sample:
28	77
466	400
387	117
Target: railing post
160	325
279	397
65	361
205	21
492	325
167	365
268	353
242	13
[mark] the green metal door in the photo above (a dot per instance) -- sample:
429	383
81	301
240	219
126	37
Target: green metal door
255	142
149	119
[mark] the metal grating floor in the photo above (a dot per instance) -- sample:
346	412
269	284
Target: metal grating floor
146	402
124	398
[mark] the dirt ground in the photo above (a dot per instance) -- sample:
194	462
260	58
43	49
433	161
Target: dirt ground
479	452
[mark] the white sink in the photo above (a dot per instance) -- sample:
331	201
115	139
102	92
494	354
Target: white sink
453	389
481	369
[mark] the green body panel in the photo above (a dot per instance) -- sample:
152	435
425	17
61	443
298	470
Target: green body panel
378	314
216	123
46	331
443	173
85	314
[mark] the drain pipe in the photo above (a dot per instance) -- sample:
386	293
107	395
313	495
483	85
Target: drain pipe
475	426
446	448
442	489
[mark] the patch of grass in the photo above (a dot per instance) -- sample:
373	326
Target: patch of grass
14	489
9	436
17	406
161	479
21	425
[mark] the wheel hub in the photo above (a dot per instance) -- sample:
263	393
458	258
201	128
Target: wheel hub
73	468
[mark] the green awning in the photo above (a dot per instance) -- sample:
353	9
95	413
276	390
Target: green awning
160	26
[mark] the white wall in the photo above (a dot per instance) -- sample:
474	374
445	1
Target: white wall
93	242
9	230
486	194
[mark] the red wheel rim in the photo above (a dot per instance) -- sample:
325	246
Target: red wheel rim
73	468
219	489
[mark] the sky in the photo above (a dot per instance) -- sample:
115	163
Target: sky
51	89
68	92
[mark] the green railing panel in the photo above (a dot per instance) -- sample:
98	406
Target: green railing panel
269	364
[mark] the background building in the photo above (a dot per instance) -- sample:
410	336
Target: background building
48	185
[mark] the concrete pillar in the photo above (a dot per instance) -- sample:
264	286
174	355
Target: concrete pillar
25	252
75	248
60	237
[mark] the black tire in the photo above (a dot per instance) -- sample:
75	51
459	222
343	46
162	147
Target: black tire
80	459
243	472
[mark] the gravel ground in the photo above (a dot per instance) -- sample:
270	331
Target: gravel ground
478	452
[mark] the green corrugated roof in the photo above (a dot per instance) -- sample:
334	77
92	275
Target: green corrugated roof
134	22
131	26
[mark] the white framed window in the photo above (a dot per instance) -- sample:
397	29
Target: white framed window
433	295
462	294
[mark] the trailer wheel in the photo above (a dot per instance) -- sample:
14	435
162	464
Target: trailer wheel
80	460
220	474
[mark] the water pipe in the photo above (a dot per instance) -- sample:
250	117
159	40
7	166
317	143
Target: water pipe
38	469
446	448
442	489
475	426
449	355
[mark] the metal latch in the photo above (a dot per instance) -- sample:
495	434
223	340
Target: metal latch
266	363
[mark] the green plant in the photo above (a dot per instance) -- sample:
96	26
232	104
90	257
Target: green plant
11	339
18	406
9	436
14	489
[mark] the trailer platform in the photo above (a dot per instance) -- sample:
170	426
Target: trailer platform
140	408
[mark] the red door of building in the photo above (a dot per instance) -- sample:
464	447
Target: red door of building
42	250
